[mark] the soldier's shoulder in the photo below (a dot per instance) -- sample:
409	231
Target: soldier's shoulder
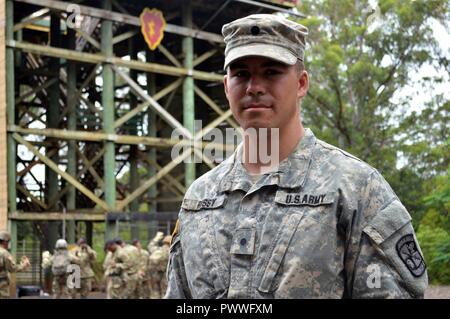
206	184
342	161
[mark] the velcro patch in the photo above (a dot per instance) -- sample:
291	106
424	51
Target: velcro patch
304	199
410	255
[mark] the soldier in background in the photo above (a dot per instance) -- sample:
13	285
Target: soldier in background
8	264
111	278
155	242
87	258
59	263
143	286
158	264
123	270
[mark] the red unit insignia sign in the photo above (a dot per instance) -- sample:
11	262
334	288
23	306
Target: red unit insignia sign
152	27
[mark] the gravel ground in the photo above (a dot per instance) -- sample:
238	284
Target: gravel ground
437	292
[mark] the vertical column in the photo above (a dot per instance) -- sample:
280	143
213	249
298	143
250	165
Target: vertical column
52	115
151	117
10	113
71	125
11	144
108	118
134	177
188	88
3	121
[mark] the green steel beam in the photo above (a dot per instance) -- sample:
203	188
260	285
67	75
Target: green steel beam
52	115
108	118
152	155
71	125
188	88
134	177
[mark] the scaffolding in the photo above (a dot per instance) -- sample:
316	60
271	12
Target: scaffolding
87	110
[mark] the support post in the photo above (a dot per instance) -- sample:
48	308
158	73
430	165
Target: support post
152	132
71	125
108	118
53	112
11	147
134	177
188	88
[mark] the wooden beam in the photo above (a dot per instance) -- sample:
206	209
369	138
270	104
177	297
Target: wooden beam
169	56
118	139
63	174
125	18
142	188
143	106
94	217
214	106
91	162
116	61
98	179
25	191
37	15
204	56
35	90
124	36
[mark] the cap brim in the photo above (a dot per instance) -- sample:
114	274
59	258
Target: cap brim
270	51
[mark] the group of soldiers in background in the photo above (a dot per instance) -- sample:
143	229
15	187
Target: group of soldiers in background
83	256
132	272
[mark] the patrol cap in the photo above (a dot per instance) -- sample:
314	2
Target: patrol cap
5	235
265	35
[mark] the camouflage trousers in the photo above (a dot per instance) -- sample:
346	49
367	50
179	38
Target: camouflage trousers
59	287
158	284
4	289
84	290
143	288
124	287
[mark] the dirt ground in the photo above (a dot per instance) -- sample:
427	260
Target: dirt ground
437	292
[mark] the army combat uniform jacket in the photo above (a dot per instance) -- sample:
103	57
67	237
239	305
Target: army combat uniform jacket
7	266
324	225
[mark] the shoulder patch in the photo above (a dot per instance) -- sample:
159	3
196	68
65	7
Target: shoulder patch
175	231
410	255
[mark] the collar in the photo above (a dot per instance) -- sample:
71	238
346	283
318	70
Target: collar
291	172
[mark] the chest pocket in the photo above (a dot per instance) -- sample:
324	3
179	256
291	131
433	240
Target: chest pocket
199	219
206	203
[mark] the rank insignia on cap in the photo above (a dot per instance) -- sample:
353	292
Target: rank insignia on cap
410	255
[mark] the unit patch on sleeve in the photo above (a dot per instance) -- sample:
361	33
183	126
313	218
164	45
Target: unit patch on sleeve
410	255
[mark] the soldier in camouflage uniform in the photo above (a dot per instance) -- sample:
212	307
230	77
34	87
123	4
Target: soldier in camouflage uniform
123	270
320	223
158	265
143	286
87	258
8	264
59	263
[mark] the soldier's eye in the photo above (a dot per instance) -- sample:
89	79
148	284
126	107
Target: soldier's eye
241	73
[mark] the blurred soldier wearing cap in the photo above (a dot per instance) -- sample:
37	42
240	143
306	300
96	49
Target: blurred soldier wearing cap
87	258
8	264
312	221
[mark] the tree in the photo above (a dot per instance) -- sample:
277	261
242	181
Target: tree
356	73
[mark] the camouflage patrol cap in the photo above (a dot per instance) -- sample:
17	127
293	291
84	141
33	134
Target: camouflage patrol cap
5	235
264	35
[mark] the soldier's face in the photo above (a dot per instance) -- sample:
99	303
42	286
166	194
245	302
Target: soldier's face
264	93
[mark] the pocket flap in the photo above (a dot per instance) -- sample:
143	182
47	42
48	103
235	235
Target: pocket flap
387	222
206	203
